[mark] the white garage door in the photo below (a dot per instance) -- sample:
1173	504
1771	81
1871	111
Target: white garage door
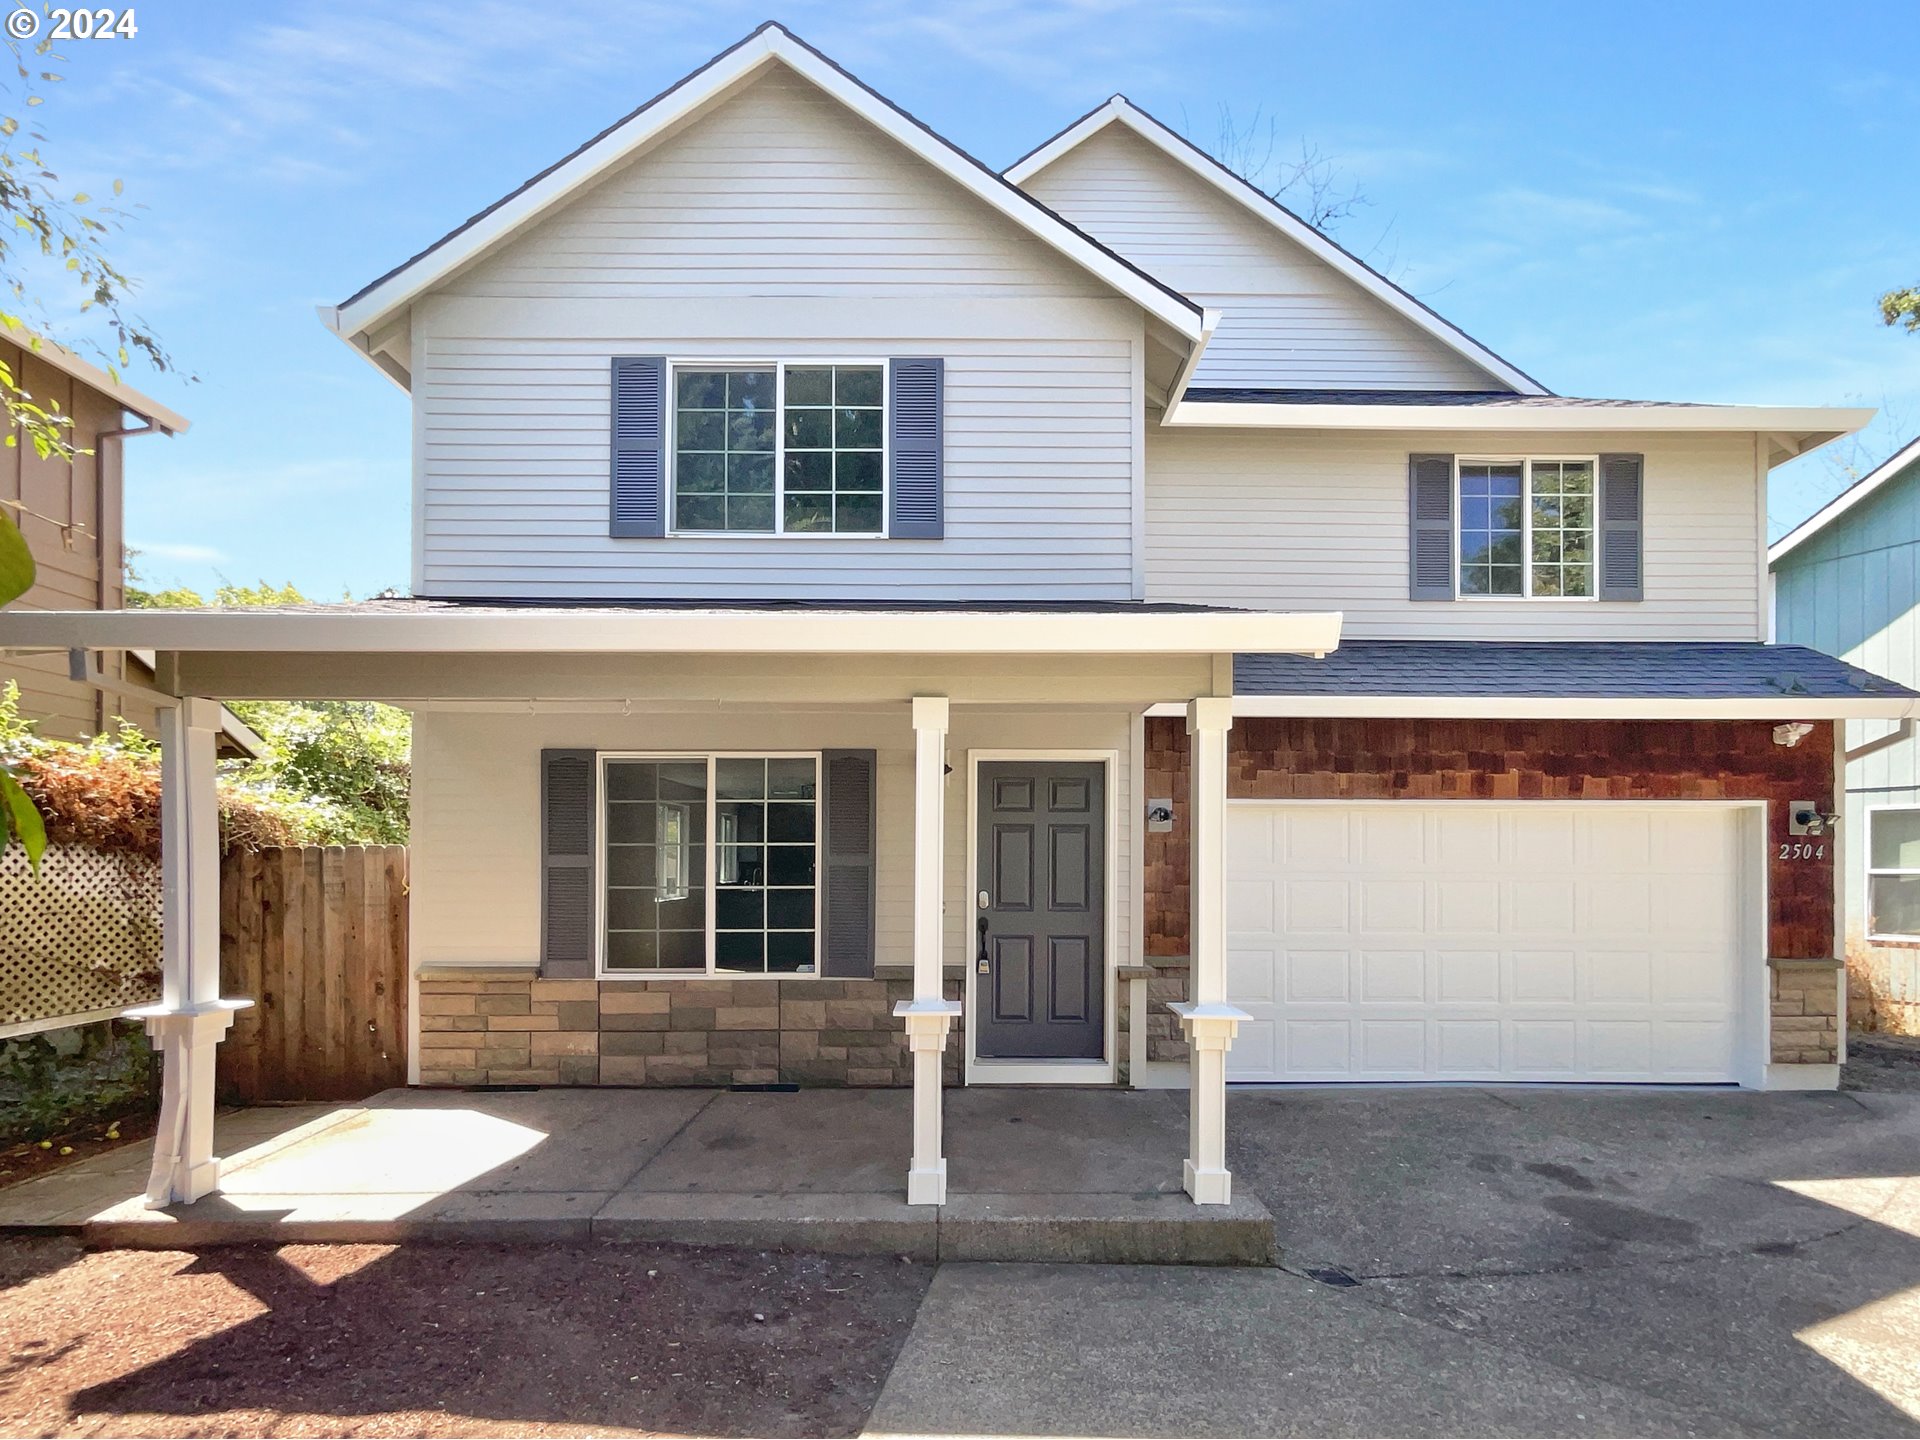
1401	941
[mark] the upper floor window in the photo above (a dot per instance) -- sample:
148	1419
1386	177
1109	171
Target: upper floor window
1526	527
779	449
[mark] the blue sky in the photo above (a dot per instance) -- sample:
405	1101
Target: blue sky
1693	201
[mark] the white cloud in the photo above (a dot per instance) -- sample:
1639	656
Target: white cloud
179	553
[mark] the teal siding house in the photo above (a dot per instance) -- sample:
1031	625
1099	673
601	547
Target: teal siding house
1847	581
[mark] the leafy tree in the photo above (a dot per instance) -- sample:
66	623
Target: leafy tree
55	244
1902	306
345	760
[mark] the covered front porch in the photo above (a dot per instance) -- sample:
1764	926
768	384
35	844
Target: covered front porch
528	708
1035	1174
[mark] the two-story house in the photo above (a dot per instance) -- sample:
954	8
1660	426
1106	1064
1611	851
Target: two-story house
882	621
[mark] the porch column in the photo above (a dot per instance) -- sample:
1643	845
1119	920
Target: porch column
1210	1023
929	1014
191	1018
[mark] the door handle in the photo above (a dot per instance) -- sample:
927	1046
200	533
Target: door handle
983	945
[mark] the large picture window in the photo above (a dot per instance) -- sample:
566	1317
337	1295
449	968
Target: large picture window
1893	873
710	864
1526	528
779	449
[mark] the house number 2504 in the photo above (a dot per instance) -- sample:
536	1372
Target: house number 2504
1801	850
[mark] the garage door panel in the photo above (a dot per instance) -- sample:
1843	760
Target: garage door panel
1466	1049
1465	907
1543	906
1250	975
1619	1047
1620	977
1392	906
1463	839
1538	841
1392	1049
1534	976
1318	1049
1250	906
1467	977
1482	942
1617	905
1317	905
1393	977
1316	975
1316	836
1392	838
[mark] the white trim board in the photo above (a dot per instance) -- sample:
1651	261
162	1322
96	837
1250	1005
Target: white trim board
356	318
1121	111
814	630
1790	430
1104	1071
1862	489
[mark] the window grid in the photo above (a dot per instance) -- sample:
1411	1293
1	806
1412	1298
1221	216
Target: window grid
1893	872
754	860
1526	527
807	459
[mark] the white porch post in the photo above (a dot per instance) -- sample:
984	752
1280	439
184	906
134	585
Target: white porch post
929	1014
191	1018
1210	1022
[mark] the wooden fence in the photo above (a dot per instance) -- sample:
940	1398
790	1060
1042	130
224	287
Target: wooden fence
316	937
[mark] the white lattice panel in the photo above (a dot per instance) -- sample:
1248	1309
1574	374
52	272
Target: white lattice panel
80	938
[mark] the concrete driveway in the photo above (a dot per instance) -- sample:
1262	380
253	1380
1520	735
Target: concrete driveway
1476	1261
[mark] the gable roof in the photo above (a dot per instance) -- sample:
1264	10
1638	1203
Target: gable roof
377	301
94	378
1121	111
1862	489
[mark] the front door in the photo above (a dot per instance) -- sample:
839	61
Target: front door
1039	951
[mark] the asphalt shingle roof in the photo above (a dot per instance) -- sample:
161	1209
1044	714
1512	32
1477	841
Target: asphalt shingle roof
1624	669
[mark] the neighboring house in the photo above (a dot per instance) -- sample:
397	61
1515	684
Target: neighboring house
1846	581
71	515
1081	618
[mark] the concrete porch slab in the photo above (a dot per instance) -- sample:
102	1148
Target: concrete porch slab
1085	1175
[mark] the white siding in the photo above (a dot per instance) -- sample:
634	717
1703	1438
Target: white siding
1289	318
777	226
475	848
1310	520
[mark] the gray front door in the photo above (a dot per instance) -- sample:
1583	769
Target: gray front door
1039	921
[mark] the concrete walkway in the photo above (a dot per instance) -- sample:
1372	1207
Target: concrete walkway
1072	1175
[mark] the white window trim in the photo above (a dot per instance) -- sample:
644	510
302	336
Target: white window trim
711	757
1872	871
1526	462
779	367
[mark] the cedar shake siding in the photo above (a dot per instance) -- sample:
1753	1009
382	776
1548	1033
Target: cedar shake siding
1351	759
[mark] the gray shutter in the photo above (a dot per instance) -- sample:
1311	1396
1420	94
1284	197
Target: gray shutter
847	826
1430	525
566	864
1622	487
915	399
638	498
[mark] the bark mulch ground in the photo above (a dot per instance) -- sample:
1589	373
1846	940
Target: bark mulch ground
445	1340
1882	1062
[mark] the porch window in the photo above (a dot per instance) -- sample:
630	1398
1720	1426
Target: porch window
779	449
1893	873
710	864
1526	527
